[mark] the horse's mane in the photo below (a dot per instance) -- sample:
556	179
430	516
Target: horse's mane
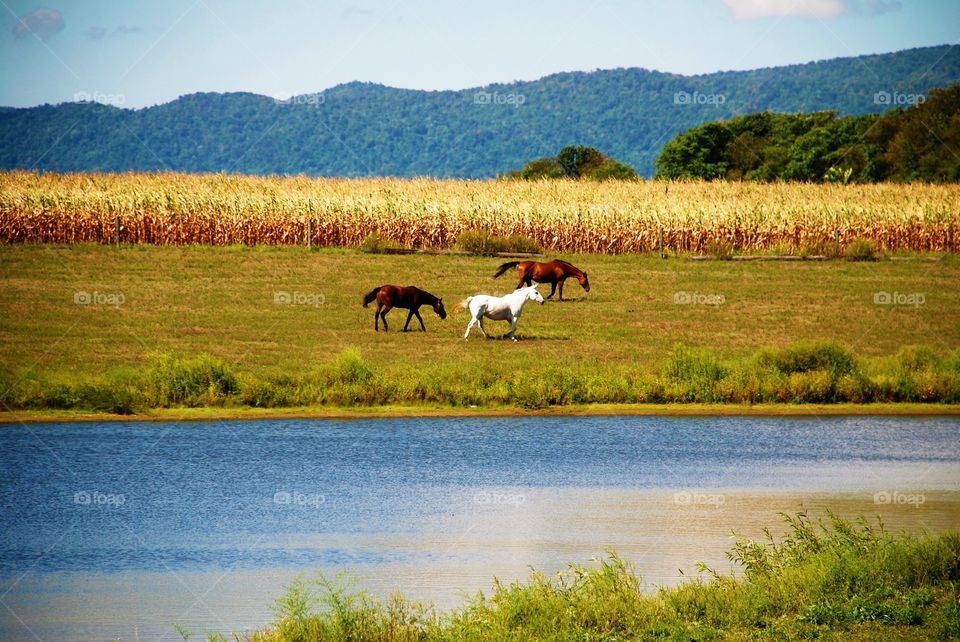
570	266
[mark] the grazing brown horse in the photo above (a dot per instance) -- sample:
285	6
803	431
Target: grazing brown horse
554	272
408	298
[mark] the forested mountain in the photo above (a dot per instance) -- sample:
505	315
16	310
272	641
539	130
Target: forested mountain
360	129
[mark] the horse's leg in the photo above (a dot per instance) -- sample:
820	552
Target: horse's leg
561	289
376	317
383	316
409	316
420	319
553	289
469	327
513	328
482	329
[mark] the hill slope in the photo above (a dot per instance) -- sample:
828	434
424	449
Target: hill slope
362	129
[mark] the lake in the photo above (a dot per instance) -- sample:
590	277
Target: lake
118	530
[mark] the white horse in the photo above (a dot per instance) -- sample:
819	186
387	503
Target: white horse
499	308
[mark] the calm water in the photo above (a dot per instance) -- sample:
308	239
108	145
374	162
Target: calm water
119	530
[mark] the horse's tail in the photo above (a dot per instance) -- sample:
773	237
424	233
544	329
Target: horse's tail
371	295
463	305
505	266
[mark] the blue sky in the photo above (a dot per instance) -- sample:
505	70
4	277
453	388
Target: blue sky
143	53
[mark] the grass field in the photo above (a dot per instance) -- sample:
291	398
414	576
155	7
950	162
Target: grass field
605	345
826	579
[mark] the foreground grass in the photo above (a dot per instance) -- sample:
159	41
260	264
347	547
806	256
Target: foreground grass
826	578
199	326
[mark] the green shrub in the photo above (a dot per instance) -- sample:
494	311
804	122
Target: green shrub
541	168
190	381
829	249
480	242
807	356
374	244
719	249
351	367
860	250
694	373
612	169
811	387
118	400
522	244
914	358
825	578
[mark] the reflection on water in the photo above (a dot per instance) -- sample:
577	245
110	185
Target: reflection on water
121	530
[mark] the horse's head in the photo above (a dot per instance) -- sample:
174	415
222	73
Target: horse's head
535	295
438	308
584	281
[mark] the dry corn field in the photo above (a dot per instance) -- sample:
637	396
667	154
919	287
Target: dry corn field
613	217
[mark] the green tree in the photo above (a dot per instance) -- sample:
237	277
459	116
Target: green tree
577	161
697	153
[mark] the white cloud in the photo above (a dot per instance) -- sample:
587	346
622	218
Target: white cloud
42	22
753	9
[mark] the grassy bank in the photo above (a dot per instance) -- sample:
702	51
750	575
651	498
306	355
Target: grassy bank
826	579
815	373
96	328
220	413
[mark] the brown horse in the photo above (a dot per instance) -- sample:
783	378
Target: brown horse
408	298
554	272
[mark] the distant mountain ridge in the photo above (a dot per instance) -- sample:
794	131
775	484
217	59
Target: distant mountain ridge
360	129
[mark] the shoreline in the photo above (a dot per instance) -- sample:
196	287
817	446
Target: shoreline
395	412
